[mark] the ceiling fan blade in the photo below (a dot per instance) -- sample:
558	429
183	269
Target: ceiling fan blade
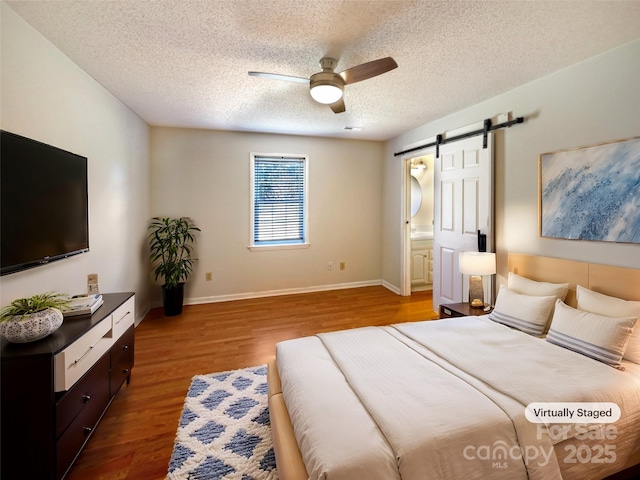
338	107
368	70
276	76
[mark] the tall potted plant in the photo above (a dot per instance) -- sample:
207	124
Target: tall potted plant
171	244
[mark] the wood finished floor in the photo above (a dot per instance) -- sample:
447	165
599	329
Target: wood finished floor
134	440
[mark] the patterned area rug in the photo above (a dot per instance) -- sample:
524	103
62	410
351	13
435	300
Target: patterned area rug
224	430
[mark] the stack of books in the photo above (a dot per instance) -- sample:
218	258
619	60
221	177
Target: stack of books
83	305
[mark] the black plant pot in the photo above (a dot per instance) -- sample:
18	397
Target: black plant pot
172	299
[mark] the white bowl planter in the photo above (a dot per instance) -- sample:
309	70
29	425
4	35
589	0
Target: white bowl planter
32	326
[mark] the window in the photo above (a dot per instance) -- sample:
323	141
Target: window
278	201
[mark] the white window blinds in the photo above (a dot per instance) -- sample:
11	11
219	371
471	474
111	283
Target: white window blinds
279	200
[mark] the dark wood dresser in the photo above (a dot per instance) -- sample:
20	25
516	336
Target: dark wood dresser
54	391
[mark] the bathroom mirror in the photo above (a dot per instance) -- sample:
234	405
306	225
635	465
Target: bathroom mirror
416	195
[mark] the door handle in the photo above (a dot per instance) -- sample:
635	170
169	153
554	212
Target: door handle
482	242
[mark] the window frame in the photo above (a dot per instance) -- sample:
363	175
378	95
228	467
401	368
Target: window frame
279	244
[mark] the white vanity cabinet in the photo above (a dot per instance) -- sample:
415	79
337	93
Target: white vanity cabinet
421	264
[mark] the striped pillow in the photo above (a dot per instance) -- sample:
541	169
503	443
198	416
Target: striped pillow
595	302
527	313
595	336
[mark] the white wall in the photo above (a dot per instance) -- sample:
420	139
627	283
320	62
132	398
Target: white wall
595	101
45	96
204	174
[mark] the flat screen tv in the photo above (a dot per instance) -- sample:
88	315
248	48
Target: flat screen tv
44	212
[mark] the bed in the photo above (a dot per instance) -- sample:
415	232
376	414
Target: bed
446	399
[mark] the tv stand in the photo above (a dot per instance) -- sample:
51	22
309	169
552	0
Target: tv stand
55	391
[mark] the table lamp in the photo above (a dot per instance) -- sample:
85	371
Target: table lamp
476	264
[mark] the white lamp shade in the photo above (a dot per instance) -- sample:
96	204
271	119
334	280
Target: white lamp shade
326	94
477	263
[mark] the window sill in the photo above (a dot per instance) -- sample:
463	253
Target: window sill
263	248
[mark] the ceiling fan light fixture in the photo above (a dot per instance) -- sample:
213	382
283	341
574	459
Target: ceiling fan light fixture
326	87
326	93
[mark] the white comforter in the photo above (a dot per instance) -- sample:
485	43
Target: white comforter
438	400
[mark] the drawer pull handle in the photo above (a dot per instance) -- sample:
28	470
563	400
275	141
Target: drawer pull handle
125	347
125	371
87	431
123	317
84	354
86	398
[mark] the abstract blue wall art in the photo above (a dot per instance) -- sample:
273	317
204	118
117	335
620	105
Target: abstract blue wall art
591	193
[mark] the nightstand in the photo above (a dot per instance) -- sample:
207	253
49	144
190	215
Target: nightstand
453	310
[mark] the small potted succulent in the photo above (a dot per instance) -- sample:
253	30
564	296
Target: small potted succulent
30	319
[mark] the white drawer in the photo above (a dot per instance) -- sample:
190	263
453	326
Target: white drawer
75	360
122	318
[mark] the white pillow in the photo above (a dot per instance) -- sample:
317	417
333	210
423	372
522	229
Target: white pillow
524	312
595	302
532	287
595	336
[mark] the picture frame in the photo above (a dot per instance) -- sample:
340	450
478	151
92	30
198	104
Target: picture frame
591	193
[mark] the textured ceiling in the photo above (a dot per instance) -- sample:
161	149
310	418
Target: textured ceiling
184	62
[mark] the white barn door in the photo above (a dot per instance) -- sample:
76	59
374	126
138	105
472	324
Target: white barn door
463	204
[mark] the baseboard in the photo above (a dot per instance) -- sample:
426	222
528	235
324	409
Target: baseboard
390	286
285	291
140	315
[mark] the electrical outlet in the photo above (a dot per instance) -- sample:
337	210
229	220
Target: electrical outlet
207	276
343	265
92	283
330	266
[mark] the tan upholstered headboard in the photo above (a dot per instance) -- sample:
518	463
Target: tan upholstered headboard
615	281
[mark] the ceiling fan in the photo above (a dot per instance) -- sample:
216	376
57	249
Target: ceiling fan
327	86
